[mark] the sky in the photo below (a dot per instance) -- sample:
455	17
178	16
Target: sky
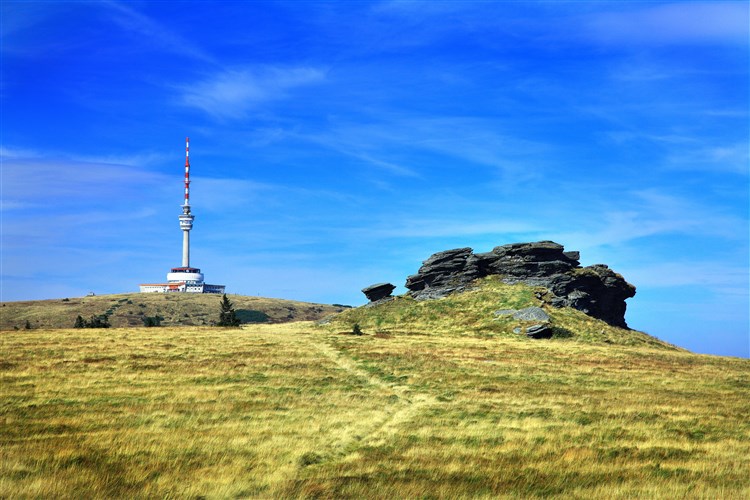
334	145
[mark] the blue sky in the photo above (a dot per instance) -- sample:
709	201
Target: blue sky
338	144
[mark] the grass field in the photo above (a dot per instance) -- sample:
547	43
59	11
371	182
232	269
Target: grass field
300	410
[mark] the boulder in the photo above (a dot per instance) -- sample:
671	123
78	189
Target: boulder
378	291
595	290
539	332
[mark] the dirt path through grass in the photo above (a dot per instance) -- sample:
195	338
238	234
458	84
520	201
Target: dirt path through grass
408	405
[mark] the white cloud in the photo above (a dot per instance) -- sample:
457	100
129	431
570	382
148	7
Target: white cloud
645	213
157	34
60	181
381	142
731	158
432	228
714	275
234	92
675	23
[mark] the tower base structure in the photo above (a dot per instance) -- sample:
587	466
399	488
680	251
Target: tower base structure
182	280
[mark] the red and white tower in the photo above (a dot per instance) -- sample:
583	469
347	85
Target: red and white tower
184	278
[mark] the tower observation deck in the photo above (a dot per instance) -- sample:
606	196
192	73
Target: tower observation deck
185	278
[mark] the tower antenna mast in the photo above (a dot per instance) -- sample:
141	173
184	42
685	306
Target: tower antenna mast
186	218
187	173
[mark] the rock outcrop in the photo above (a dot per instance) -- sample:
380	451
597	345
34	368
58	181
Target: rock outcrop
596	290
378	291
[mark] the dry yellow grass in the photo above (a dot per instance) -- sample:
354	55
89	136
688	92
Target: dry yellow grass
298	410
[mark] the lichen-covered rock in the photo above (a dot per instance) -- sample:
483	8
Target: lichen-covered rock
596	290
531	314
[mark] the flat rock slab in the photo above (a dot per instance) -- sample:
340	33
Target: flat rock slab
539	332
527	314
531	314
378	291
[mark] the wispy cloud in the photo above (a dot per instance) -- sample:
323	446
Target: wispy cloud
158	34
58	182
646	213
140	159
436	228
234	92
477	141
731	280
675	23
733	158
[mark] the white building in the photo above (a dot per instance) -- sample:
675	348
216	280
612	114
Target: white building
184	279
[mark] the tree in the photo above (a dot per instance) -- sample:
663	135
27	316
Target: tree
227	317
101	321
151	321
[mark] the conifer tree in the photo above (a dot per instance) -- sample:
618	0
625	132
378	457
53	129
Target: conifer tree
227	317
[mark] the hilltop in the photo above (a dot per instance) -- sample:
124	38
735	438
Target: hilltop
130	309
488	308
537	289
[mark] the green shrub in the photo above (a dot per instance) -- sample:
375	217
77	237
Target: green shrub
151	321
101	321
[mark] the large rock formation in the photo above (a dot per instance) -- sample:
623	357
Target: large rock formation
596	290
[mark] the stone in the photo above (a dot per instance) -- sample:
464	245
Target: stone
539	332
531	314
574	255
595	290
444	273
379	291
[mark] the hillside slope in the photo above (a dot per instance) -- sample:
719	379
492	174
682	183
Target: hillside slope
130	309
298	411
475	313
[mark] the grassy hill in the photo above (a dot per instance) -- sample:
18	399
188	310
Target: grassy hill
130	309
472	313
436	400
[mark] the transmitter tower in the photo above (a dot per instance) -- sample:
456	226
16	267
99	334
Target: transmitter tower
185	278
